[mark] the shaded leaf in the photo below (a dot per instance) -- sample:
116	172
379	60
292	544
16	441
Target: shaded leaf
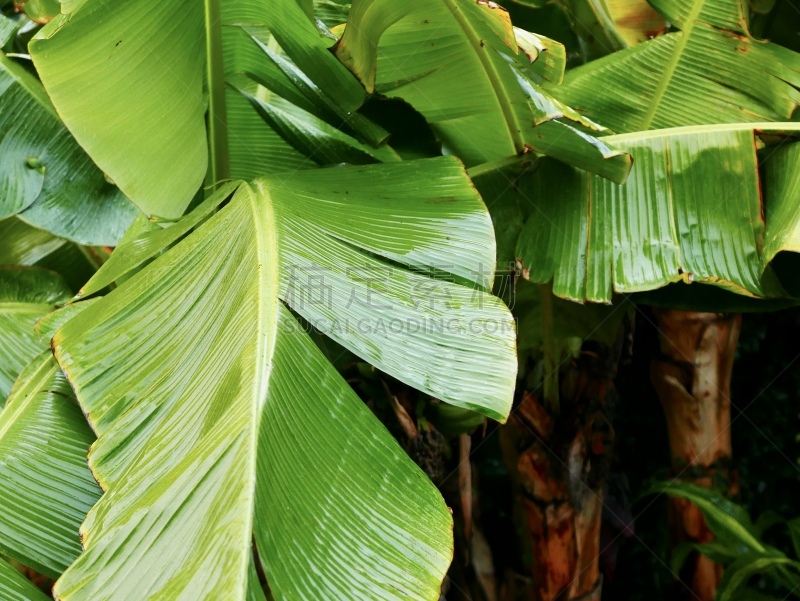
26	294
45	177
610	25
313	137
46	488
729	522
15	587
738	573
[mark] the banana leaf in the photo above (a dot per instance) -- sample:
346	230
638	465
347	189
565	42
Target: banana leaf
459	63
692	210
45	177
97	67
46	488
219	421
15	587
711	71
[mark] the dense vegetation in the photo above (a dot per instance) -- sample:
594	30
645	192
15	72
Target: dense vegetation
320	300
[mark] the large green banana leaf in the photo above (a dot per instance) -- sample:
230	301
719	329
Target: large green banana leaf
692	210
46	488
45	177
26	294
15	587
664	228
459	63
134	74
711	71
220	422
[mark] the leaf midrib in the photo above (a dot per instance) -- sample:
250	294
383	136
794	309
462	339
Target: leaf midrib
491	72
669	71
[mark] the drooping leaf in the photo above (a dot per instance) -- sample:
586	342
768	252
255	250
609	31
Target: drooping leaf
711	71
738	573
729	522
458	63
45	177
691	210
271	67
311	136
15	587
26	294
46	488
219	420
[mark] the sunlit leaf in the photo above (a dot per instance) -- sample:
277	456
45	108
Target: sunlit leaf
228	423
691	210
711	71
458	63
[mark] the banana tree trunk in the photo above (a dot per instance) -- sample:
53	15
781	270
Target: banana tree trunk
692	378
558	464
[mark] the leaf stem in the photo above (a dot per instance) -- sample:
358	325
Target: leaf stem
217	114
550	358
491	72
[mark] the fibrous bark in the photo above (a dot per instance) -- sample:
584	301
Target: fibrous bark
692	378
559	464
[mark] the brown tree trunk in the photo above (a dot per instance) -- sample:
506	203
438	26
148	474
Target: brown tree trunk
692	378
558	464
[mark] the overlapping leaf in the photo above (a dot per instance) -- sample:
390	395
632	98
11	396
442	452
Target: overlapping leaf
219	420
610	25
691	210
458	63
26	294
15	587
134	74
45	177
711	71
46	488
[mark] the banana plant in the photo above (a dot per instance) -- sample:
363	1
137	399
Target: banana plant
228	449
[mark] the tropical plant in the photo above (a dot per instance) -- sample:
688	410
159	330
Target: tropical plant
222	430
274	176
739	544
